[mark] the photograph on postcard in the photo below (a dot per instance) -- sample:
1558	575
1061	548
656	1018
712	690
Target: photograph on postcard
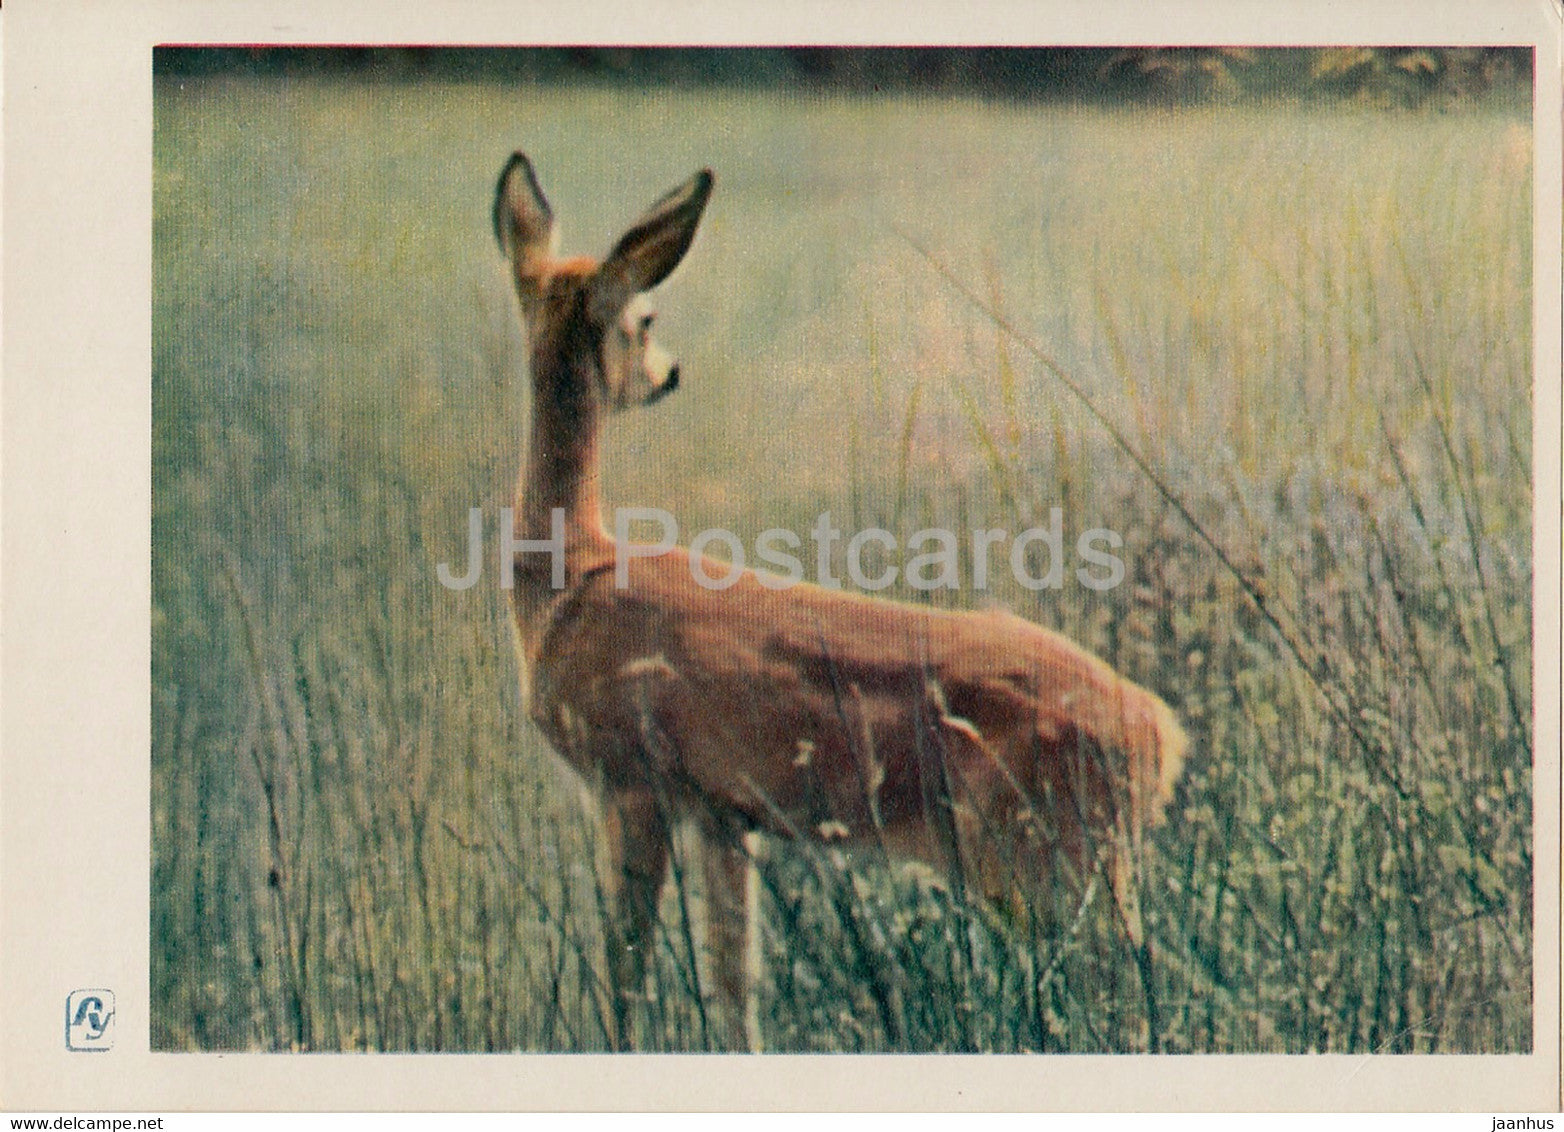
941	550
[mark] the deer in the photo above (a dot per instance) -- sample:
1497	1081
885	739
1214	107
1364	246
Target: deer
978	745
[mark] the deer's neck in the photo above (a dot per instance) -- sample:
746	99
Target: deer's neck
562	466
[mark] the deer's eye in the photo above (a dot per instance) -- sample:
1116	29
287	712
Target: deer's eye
644	327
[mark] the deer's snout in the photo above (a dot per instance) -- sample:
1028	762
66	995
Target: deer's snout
670	383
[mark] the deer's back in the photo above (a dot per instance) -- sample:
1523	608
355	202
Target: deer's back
806	706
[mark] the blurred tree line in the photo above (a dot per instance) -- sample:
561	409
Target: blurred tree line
1382	76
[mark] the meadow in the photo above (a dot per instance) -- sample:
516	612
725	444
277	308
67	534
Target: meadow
1283	351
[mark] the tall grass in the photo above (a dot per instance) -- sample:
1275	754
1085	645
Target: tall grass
1284	354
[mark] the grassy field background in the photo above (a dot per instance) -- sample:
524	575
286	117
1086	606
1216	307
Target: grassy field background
1312	324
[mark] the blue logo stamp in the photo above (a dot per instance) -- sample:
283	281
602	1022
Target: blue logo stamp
89	1020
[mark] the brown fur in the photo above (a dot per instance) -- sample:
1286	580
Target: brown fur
771	704
990	749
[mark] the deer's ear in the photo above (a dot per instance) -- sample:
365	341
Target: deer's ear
653	247
523	220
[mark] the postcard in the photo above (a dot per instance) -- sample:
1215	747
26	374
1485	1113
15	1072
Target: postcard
821	559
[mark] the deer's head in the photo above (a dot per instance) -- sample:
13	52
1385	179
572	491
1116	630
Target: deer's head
589	323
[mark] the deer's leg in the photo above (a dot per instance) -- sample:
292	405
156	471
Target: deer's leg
729	939
636	830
